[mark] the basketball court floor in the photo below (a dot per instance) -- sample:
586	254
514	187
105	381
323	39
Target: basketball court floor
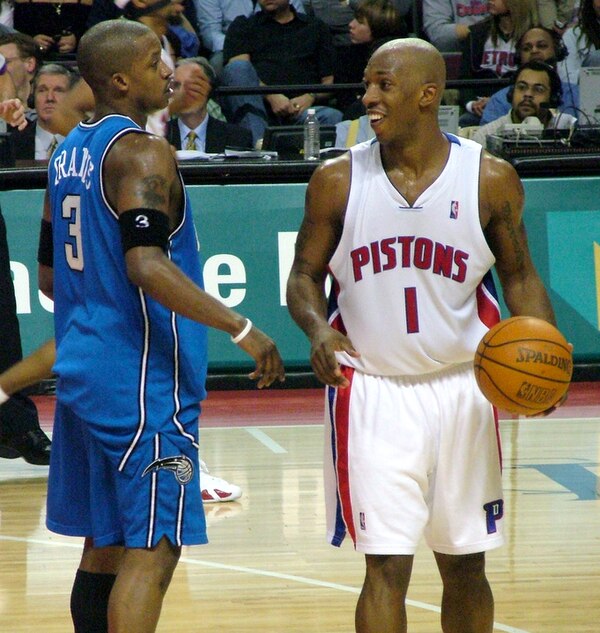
268	568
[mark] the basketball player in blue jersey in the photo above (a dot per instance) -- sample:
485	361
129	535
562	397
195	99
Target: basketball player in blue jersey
409	225
130	325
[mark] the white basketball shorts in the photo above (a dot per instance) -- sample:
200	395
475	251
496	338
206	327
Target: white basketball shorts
407	457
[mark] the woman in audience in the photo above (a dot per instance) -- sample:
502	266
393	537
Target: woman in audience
583	40
489	50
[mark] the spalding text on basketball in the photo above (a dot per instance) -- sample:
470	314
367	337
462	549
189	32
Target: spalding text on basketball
527	355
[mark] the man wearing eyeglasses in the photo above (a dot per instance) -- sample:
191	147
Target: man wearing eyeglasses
536	93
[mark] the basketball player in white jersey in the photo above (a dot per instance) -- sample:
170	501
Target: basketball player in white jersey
409	225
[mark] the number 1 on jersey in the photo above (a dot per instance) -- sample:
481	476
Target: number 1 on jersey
71	210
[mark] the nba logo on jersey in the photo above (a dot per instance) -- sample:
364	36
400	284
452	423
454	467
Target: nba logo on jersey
363	523
454	210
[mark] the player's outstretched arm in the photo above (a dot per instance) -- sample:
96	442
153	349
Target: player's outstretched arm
141	174
502	200
317	240
32	369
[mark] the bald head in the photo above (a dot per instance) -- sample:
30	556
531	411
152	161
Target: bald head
420	60
107	48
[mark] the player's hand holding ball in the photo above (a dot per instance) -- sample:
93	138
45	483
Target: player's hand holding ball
524	365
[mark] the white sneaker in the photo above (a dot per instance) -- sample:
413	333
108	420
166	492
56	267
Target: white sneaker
215	489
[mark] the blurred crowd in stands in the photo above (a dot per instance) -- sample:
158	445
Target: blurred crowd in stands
218	48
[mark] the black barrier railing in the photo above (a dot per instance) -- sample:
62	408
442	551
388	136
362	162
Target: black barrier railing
301	89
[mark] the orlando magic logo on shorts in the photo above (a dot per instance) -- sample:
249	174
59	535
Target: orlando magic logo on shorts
180	465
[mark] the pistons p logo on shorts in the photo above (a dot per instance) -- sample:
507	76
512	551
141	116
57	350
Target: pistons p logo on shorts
494	511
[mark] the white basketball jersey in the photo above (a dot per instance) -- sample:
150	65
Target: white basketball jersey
412	284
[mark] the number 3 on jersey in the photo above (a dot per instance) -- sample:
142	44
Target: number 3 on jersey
71	211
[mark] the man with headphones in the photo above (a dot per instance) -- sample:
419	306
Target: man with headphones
541	44
535	93
36	142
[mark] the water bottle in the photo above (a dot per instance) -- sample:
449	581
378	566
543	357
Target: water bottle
312	142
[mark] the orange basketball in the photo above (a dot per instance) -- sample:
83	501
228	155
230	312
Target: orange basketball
523	365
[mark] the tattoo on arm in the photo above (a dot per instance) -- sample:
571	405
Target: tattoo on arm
507	218
154	191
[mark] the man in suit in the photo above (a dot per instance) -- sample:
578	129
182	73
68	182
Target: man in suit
194	128
36	141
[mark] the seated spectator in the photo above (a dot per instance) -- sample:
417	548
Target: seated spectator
194	128
375	22
556	14
277	46
36	142
21	54
489	49
214	18
583	40
55	25
447	22
535	93
541	44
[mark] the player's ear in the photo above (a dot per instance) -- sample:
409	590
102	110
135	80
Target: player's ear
120	81
429	94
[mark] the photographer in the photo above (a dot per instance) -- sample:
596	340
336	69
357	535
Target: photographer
55	26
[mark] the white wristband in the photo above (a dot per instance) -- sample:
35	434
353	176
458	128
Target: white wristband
3	396
243	334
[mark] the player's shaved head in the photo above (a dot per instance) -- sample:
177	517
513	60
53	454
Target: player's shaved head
107	48
415	58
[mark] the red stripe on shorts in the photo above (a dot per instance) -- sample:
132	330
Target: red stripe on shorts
342	419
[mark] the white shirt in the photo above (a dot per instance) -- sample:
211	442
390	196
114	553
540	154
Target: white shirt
499	58
200	140
409	290
43	140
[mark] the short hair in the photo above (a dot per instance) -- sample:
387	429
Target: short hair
383	18
108	47
555	82
25	44
204	64
53	69
560	50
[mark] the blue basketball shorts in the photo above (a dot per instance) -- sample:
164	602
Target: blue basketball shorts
155	494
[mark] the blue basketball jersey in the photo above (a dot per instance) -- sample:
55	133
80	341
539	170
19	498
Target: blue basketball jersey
124	362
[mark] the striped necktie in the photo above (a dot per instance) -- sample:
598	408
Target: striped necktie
191	140
51	148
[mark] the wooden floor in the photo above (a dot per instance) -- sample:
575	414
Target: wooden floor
268	569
